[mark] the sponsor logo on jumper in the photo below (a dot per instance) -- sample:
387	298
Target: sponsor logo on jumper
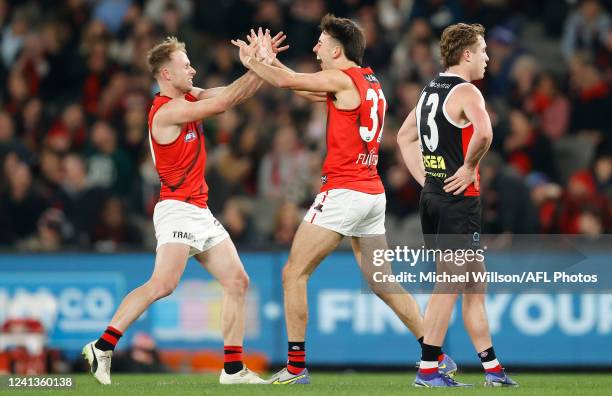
324	179
367	159
190	136
370	77
434	162
439	85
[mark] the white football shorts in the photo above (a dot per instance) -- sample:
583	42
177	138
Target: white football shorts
181	222
349	212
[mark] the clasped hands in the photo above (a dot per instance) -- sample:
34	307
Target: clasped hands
261	46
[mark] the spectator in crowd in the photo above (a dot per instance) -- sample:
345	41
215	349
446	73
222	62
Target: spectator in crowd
114	230
586	29
79	200
522	79
551	107
286	222
525	148
8	141
503	53
284	172
51	228
21	204
51	174
70	131
590	98
506	203
586	207
13	37
237	220
109	165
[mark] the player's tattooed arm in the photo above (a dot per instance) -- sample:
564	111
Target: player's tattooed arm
408	141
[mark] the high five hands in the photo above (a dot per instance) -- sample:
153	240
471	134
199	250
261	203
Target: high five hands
261	46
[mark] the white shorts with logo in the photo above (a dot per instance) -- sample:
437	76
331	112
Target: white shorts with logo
181	222
349	212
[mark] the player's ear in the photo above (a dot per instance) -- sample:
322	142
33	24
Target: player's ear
337	51
164	73
467	55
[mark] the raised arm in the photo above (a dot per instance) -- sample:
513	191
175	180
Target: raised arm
276	42
323	81
408	141
180	111
208	93
312	96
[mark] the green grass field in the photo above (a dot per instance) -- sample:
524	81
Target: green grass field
329	384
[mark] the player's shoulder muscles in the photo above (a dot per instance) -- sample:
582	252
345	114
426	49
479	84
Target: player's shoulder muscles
468	94
461	101
474	108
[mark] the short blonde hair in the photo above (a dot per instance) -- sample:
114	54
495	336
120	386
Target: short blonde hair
456	39
160	54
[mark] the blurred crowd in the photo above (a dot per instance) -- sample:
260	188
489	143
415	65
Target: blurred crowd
76	170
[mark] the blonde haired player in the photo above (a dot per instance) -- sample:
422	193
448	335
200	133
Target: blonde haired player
442	141
184	226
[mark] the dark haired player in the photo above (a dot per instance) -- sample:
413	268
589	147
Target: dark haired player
352	198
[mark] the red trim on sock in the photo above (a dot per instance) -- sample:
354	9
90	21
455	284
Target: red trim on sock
428	370
440	358
495	369
235	354
111	328
110	339
232	357
232	348
294	370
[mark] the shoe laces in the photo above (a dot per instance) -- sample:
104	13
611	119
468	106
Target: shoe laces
446	378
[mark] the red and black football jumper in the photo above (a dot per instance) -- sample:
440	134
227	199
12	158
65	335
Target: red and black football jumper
444	146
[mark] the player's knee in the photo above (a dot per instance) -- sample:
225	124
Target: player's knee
161	288
236	283
295	270
291	274
473	299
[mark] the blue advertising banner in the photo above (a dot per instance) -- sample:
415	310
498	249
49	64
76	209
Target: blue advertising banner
75	296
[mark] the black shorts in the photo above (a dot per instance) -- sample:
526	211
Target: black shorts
454	221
